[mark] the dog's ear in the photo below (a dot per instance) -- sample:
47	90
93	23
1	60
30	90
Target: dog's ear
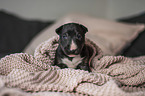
58	30
85	29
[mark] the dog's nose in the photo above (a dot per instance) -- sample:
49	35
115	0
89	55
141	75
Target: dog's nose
73	51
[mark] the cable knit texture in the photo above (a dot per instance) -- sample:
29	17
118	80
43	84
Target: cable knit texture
22	74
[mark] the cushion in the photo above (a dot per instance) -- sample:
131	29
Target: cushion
137	46
16	32
110	36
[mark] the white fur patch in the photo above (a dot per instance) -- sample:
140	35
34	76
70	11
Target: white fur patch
72	64
73	46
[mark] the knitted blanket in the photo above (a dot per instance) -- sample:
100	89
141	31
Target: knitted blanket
22	74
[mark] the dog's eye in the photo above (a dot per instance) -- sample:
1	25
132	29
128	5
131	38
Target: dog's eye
64	36
79	36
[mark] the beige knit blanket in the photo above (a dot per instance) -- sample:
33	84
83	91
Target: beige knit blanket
22	74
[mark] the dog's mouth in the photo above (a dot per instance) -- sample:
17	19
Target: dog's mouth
72	55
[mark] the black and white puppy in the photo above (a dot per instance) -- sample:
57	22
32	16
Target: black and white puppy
72	51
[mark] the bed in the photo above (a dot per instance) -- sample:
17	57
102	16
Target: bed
28	49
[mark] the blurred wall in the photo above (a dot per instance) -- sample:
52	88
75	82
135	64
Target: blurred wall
54	9
123	8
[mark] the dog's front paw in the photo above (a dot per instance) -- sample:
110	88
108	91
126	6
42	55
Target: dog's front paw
62	66
83	67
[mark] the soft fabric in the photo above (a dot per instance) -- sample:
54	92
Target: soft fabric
34	75
137	46
110	36
16	33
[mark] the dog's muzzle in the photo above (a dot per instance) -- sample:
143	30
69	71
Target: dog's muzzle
71	53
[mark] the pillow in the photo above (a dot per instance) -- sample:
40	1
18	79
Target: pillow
137	46
110	36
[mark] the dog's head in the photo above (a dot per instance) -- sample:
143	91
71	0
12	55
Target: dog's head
71	38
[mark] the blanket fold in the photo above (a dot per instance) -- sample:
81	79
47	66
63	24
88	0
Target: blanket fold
110	76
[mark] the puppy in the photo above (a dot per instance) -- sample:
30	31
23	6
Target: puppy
72	51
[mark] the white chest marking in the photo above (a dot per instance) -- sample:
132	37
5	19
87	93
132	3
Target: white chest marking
73	46
72	64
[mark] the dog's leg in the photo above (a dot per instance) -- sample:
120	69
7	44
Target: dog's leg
62	66
58	61
84	65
